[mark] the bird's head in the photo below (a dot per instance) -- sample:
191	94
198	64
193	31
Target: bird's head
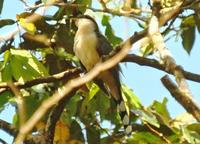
85	22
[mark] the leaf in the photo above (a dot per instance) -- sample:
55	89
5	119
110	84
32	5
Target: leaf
190	137
76	131
31	104
4	98
188	37
93	135
28	26
188	21
161	109
109	31
103	104
144	138
1	5
61	133
17	68
6	57
147	116
188	33
72	105
40	126
25	66
85	2
93	90
15	120
194	127
197	21
5	22
132	100
6	73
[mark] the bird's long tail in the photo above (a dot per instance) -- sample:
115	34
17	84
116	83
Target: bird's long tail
112	85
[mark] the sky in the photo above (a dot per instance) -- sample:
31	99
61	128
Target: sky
144	81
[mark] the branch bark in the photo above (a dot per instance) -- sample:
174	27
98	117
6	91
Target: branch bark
186	101
155	64
54	116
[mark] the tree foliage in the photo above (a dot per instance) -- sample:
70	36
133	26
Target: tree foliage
37	67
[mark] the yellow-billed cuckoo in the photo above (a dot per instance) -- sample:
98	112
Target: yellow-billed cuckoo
89	46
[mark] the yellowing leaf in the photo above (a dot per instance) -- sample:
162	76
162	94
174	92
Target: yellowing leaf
28	26
40	125
61	133
75	142
23	15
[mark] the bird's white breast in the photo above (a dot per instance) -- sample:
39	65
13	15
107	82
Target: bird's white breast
85	48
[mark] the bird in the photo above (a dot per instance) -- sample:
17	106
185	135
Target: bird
90	46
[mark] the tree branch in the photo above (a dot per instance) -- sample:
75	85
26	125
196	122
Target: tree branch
54	117
186	101
54	78
70	85
155	64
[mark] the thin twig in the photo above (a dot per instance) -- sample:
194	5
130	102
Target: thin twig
54	78
159	134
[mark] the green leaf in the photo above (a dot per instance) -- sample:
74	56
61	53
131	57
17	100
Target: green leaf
76	131
16	120
188	21
93	135
31	103
6	59
188	33
17	68
147	116
109	31
29	67
113	115
144	138
197	21
72	105
161	109
190	137
7	73
22	66
103	104
93	90
147	50
194	127
85	2
188	37
1	5
4	98
5	22
132	100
